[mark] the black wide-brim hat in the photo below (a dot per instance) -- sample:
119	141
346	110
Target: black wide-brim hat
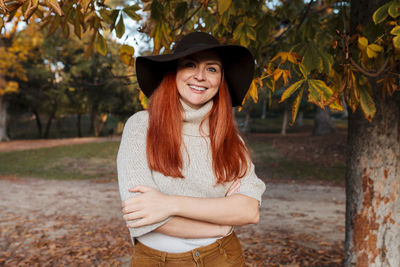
237	62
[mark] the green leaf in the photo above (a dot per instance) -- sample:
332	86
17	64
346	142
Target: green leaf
77	27
303	71
223	6
296	105
395	30
394	9
381	13
290	90
180	11
311	60
327	61
325	91
54	25
367	104
396	41
131	12
120	28
101	45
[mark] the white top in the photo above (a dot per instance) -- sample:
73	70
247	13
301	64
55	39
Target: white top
199	178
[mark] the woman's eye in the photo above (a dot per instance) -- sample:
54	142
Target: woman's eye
189	65
212	69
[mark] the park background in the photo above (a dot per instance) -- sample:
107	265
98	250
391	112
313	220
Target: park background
322	81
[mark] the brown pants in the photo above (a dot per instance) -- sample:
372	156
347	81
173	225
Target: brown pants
225	252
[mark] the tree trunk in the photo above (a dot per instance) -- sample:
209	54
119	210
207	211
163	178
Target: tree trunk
3	119
78	125
49	121
246	127
373	174
373	187
38	123
285	120
322	122
264	108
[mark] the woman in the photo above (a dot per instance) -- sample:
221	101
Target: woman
185	176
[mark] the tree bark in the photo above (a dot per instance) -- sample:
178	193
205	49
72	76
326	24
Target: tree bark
373	174
373	187
285	119
38	123
49	121
78	125
3	119
322	122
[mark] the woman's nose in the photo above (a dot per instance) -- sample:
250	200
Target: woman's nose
199	74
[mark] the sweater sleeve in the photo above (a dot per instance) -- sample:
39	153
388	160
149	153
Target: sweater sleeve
251	185
132	165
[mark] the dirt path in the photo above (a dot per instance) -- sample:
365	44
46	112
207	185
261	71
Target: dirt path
53	221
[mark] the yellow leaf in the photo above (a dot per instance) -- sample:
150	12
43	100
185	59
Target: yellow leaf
253	90
375	47
296	105
290	90
143	100
11	87
85	4
367	104
223	6
337	105
362	43
277	74
373	50
101	45
395	30
285	76
396	41
126	54
54	5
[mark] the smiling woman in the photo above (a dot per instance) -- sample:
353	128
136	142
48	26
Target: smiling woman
185	176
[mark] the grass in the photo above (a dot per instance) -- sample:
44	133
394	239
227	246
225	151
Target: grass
270	164
83	161
98	161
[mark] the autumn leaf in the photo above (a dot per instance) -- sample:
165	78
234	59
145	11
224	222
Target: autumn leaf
144	101
120	28
367	104
55	6
296	105
101	45
223	5
126	53
373	50
290	90
381	13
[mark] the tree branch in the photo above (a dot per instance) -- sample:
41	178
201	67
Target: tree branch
187	19
367	73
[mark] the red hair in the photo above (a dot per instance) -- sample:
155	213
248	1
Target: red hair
229	154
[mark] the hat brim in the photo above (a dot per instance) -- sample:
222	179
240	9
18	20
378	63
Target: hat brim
237	61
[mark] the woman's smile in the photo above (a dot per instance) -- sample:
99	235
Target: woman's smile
198	78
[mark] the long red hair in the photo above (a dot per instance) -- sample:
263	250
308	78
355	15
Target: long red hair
230	157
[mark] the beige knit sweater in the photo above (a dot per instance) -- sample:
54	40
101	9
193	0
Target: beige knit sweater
199	178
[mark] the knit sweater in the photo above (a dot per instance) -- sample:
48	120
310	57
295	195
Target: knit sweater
199	179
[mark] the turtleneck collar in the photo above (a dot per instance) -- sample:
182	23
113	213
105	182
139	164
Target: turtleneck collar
193	117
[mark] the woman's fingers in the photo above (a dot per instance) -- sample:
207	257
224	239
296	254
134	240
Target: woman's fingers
134	216
233	188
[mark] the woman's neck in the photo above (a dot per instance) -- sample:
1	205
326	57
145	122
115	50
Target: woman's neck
192	118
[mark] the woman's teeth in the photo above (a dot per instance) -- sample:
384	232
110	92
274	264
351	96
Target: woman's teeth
197	88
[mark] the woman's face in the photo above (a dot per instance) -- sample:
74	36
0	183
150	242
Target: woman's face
198	77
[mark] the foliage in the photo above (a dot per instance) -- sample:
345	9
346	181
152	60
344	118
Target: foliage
295	41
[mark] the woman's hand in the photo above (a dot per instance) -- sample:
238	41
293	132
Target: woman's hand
233	188
151	206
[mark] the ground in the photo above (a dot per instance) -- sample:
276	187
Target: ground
79	222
